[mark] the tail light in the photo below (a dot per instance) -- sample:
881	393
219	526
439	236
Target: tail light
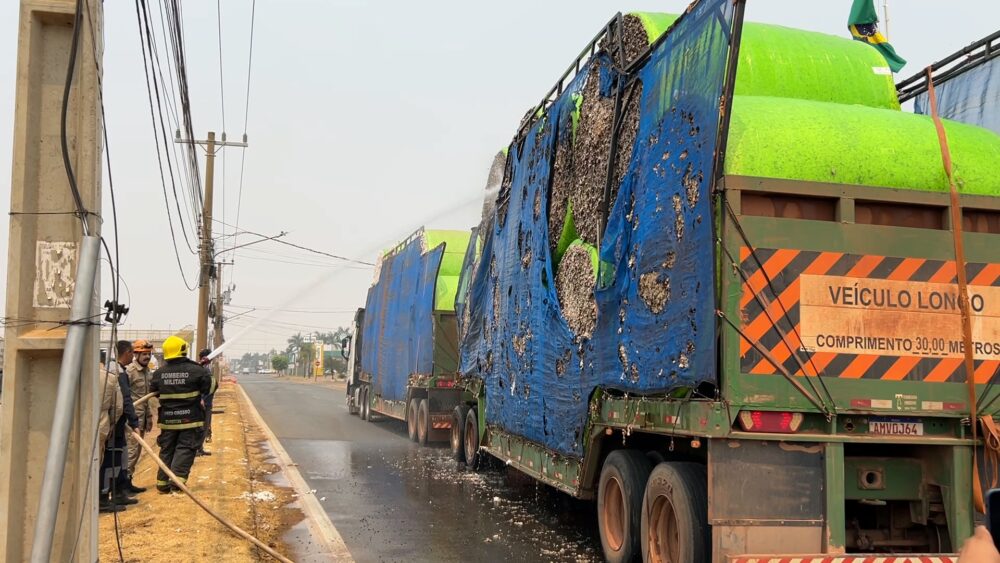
445	383
770	421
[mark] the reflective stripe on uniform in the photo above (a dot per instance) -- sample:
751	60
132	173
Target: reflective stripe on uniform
190	395
182	426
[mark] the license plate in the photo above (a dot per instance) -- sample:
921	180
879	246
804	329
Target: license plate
895	427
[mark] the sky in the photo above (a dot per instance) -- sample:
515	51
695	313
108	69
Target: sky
365	121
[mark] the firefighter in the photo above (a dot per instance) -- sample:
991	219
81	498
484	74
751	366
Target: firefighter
206	401
116	481
112	407
179	383
139	375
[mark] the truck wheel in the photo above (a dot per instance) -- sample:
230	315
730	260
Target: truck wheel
423	421
471	439
619	504
353	404
411	420
675	514
457	436
365	409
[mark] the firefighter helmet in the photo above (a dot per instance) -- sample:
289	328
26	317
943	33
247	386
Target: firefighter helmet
174	347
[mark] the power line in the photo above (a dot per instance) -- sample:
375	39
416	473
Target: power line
81	210
140	7
222	84
246	115
307	249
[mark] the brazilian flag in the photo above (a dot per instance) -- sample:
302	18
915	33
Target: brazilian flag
863	24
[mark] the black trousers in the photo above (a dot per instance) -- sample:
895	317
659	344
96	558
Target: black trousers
114	474
177	449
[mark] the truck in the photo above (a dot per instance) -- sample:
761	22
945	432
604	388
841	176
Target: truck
404	359
777	362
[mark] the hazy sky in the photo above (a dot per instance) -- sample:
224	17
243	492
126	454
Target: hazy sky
366	119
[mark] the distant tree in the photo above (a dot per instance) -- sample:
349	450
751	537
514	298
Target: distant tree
295	342
279	362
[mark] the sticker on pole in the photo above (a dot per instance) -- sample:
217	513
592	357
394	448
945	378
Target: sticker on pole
55	274
890	426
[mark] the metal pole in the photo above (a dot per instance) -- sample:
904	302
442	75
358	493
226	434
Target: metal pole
217	341
206	246
69	382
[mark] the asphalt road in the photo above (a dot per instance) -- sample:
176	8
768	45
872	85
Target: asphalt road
392	500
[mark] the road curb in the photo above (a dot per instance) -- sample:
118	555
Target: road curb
319	522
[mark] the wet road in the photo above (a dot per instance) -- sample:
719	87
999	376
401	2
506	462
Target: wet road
392	500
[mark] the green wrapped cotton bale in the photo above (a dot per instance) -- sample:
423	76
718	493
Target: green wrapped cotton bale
454	252
824	142
456	243
793	63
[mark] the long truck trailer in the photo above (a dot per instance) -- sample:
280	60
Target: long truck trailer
801	389
404	357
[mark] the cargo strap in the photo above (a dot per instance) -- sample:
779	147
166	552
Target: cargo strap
963	287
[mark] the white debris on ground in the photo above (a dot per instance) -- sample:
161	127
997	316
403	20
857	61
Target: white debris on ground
259	496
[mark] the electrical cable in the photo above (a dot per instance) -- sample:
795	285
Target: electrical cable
64	144
166	199
159	106
246	115
305	248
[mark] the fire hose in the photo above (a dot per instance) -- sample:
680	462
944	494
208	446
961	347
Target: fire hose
180	485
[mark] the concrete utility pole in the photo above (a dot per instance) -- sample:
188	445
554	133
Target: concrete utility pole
43	260
207	256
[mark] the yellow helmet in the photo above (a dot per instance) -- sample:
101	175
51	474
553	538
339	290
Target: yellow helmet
174	347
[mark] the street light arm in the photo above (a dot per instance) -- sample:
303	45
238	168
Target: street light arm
232	248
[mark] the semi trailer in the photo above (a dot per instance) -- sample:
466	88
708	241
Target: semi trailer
775	360
404	355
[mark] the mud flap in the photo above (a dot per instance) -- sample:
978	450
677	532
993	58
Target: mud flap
765	494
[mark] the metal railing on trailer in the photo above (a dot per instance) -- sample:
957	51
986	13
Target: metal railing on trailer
955	64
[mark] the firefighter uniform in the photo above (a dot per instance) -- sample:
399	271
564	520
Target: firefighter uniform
139	377
180	383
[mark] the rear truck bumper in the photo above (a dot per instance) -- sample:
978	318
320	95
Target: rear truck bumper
857	558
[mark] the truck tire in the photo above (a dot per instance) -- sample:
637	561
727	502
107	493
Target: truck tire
411	419
675	514
365	408
423	422
471	439
619	504
353	403
458	433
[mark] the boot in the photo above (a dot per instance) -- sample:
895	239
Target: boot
202	451
131	489
121	499
105	506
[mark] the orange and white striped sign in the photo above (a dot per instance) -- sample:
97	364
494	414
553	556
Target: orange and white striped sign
863	316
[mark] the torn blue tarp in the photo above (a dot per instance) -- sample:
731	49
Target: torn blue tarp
399	324
538	377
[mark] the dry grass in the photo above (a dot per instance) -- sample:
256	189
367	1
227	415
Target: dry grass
171	528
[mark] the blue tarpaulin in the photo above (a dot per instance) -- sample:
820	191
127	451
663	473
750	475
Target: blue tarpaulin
972	97
399	325
655	324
